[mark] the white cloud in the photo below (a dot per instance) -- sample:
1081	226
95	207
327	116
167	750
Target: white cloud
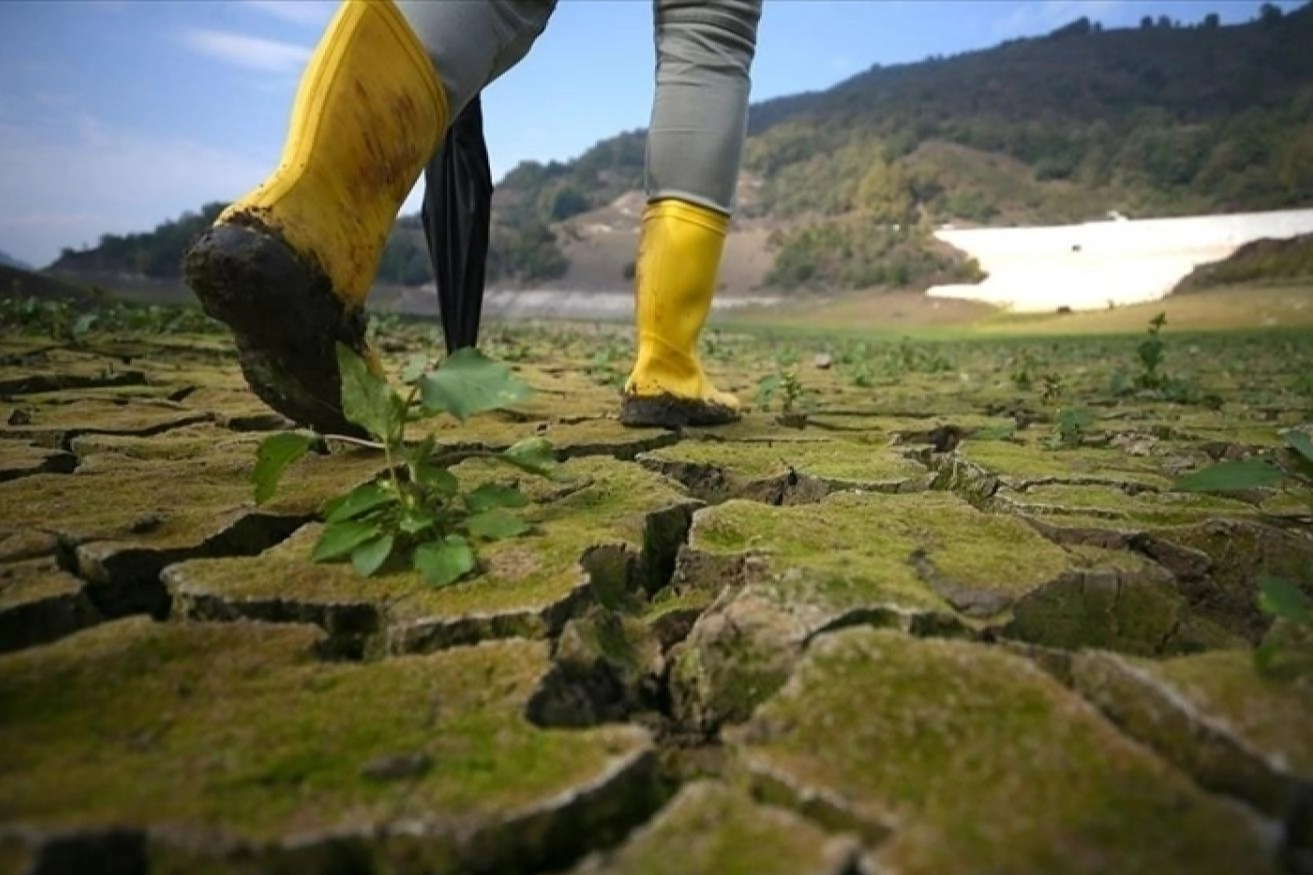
68	179
251	52
311	13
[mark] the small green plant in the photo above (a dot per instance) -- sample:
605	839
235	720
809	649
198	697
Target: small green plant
786	384
1051	388
1151	382
1287	650
1072	428
862	377
786	358
1024	366
417	514
1150	353
1071	423
609	365
796	401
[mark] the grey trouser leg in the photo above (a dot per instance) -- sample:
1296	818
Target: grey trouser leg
699	117
472	42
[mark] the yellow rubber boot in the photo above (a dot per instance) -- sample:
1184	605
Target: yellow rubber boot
289	265
675	278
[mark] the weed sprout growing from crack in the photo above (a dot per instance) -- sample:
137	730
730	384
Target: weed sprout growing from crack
417	513
795	399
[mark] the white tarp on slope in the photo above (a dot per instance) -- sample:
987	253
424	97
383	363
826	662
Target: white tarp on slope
1088	266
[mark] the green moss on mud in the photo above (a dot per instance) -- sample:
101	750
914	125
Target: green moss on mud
21	458
711	828
900	560
668	601
1116	600
830	460
1213	714
51	425
855	548
1147	509
977	760
204	440
1274	715
34	580
607	503
1021	463
163	505
236	728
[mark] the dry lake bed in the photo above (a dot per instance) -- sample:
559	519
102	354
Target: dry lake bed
947	612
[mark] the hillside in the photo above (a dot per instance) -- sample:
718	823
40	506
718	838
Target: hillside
841	188
1262	261
19	284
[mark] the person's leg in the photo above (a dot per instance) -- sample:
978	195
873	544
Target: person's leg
288	266
699	117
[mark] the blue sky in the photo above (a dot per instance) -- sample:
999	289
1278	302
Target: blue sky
118	114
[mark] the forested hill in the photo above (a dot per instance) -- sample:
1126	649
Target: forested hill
1167	118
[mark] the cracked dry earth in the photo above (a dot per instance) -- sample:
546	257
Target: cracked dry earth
878	643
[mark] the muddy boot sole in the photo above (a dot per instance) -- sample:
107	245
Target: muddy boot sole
669	411
285	320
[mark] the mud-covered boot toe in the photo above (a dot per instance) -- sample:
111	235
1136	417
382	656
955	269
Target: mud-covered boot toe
285	320
672	411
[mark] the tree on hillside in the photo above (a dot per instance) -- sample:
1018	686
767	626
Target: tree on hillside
1079	27
561	201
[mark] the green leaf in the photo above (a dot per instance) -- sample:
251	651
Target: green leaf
414	369
469	382
370	556
1265	655
444	562
276	452
534	455
429	475
367	400
492	495
1300	443
364	497
1283	599
415	521
495	525
421	451
1225	476
438	479
339	539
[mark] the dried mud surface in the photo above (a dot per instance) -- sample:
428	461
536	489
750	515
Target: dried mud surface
905	626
